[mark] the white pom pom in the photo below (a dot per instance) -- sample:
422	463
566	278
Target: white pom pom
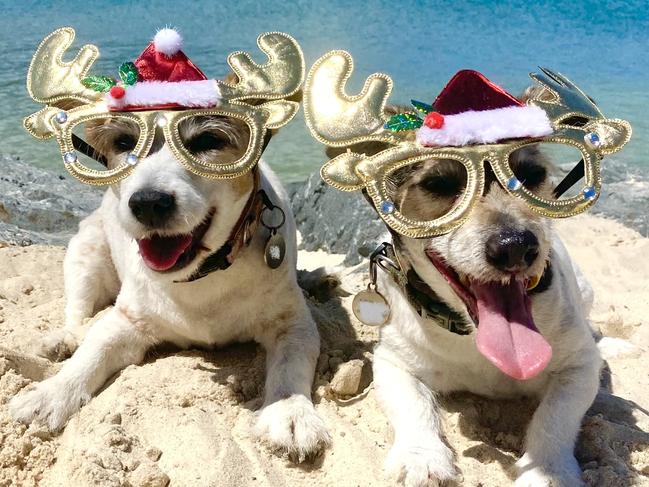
168	41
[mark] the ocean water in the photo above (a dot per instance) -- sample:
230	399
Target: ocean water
602	46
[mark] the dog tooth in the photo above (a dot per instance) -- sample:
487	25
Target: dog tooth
533	282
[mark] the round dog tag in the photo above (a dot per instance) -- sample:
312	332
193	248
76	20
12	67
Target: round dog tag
275	251
371	308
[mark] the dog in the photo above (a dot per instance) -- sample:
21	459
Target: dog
140	251
485	271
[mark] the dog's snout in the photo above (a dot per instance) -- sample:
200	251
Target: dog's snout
152	208
512	250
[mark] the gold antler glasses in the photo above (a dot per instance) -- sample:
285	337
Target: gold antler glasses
339	120
70	105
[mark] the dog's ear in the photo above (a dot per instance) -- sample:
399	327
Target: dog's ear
537	92
231	78
613	132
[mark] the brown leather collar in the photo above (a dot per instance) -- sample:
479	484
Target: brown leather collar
240	236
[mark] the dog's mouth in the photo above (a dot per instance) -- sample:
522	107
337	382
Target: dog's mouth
507	335
164	253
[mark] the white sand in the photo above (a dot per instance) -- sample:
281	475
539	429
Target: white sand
184	417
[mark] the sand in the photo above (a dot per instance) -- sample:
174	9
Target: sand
183	418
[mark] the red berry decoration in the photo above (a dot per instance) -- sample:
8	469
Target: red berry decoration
434	120
117	92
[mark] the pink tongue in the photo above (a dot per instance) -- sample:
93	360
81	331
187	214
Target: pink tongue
162	253
507	335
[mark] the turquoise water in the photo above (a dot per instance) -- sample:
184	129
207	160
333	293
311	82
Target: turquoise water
602	46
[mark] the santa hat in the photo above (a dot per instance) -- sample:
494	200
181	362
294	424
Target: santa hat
473	110
166	78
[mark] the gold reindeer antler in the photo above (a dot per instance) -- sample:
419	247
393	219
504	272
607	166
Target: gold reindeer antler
340	120
280	77
337	119
52	81
57	83
565	100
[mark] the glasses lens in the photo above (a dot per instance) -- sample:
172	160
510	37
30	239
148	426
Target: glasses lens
542	167
214	139
427	190
105	143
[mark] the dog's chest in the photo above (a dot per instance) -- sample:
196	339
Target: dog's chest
467	370
213	311
447	361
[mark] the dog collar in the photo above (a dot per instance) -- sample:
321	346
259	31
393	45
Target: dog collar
419	295
242	234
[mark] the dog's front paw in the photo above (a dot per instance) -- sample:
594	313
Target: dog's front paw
57	345
562	473
424	463
51	402
292	425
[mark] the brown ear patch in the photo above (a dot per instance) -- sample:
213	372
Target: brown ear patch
231	78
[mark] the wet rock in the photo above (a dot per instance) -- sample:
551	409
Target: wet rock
40	206
335	221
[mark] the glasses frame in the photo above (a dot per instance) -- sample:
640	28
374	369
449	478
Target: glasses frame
148	122
375	172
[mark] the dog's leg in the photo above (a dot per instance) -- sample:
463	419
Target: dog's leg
549	453
288	421
111	344
419	456
91	283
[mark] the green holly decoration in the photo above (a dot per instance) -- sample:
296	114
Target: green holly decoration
403	121
128	73
422	107
101	84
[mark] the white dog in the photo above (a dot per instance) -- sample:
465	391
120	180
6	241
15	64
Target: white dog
480	272
140	249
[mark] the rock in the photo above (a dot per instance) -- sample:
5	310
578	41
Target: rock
153	453
113	418
347	379
335	221
148	474
41	206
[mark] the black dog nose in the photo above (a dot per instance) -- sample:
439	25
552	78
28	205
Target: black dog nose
152	208
512	250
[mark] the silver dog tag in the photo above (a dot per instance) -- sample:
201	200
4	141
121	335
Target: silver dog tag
370	307
275	251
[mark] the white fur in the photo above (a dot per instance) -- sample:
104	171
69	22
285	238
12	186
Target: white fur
414	360
196	94
248	301
168	41
487	126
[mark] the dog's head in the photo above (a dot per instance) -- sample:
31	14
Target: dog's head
488	268
177	217
503	246
180	149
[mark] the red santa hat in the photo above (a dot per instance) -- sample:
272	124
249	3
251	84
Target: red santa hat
166	78
473	110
